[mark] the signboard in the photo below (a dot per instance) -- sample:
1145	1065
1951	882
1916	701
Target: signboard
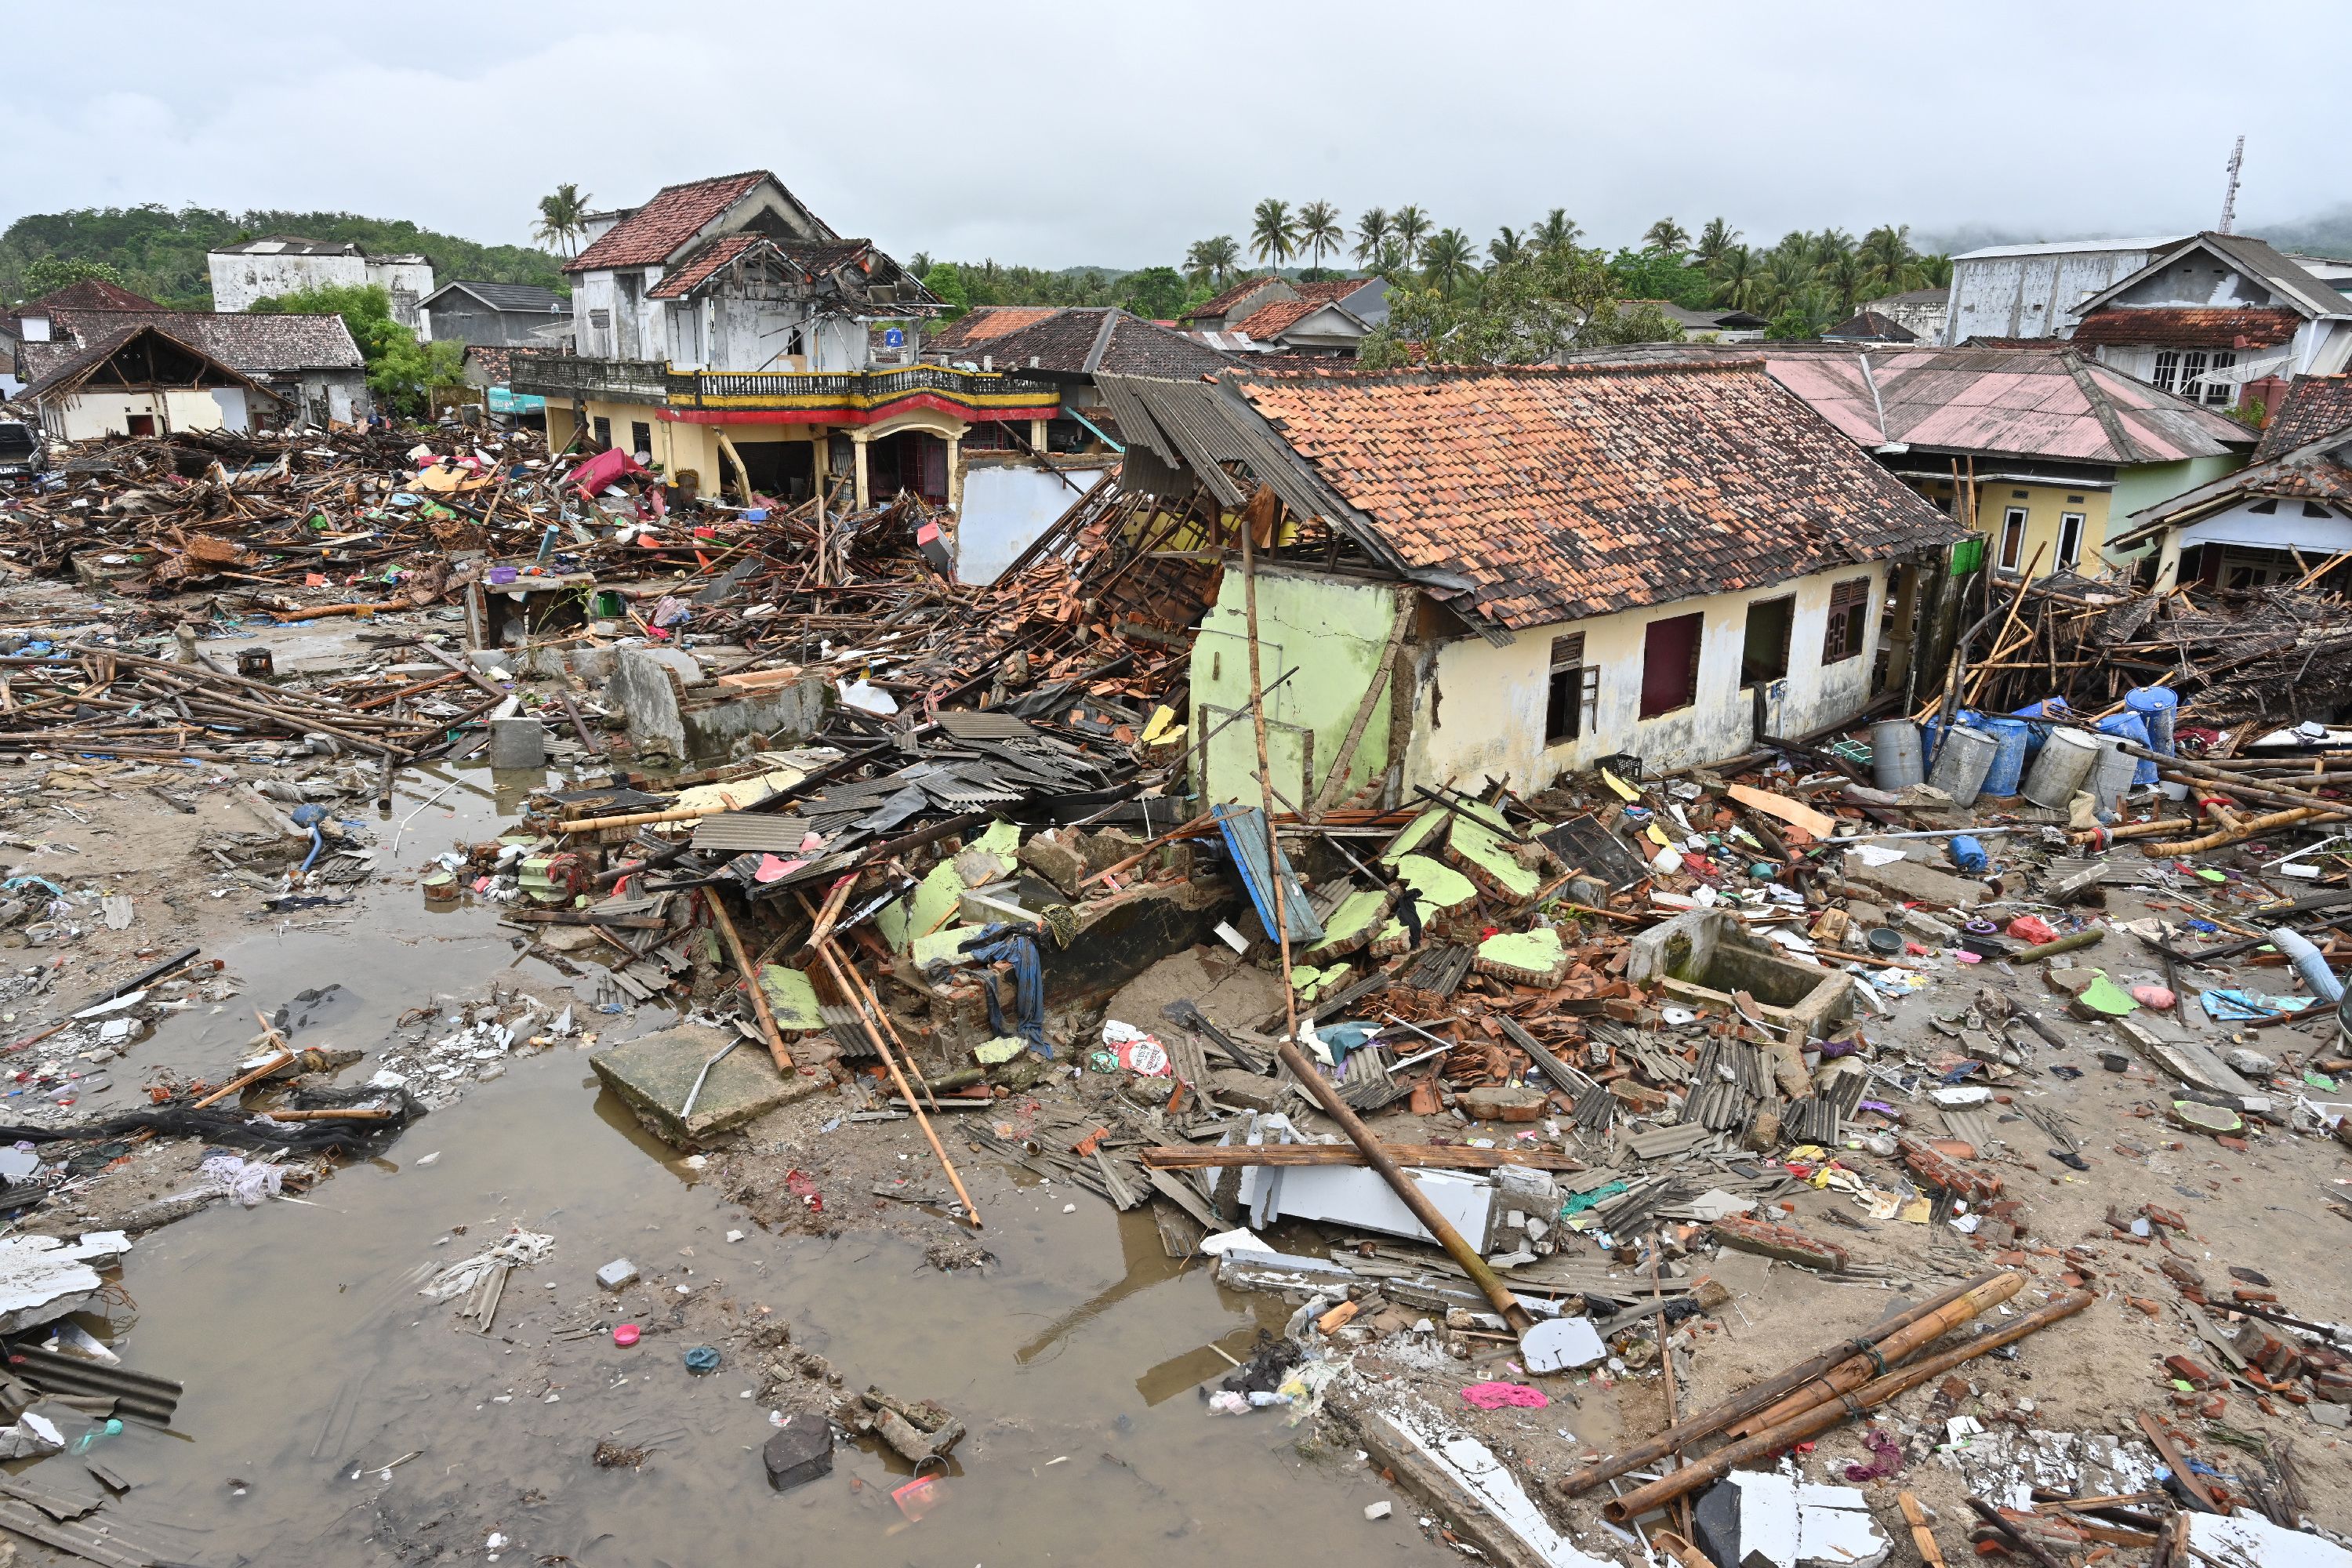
504	401
894	338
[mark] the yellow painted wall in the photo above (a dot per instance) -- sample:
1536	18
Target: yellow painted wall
2043	504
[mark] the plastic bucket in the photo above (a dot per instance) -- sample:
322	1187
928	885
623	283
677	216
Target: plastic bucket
2061	769
2130	726
2156	707
2008	770
1962	762
1897	761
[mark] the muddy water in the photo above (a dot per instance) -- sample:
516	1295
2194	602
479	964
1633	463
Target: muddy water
310	1362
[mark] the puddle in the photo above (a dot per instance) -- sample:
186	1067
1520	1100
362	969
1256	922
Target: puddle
310	1360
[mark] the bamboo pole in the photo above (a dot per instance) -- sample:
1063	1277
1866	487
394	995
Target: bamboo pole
1922	1539
1833	1412
1861	1351
1974	1301
869	1012
2024	581
760	1009
286	1054
2242	829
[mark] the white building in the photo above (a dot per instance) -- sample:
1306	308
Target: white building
282	264
2034	290
2218	313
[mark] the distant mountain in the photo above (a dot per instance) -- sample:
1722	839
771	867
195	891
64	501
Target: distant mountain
2326	234
161	253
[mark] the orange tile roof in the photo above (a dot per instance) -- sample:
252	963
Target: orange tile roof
2315	406
1233	296
1569	492
2188	327
1331	290
983	322
651	235
1269	321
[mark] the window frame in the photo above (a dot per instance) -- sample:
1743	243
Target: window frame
2164	374
2004	558
1689	688
1787	638
2081	522
1571	690
1845	630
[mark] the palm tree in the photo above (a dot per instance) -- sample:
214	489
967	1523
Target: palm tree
1393	260
564	218
1887	262
1829	245
1447	258
1845	277
1666	235
1213	260
1738	276
1787	274
1412	226
1715	239
1319	229
1274	232
1557	233
1508	249
1372	235
1935	271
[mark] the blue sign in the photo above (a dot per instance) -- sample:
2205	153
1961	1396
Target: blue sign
893	338
504	401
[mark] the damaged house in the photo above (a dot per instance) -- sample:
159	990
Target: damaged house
138	380
727	333
310	365
2285	519
1487	574
2217	317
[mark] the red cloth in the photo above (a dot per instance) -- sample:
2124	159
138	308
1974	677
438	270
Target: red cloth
1496	1396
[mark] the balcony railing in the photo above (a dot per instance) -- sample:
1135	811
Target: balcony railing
854	389
566	376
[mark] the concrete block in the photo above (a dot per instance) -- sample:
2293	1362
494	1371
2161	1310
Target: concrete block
1781	1241
800	1452
593	665
518	743
1908	883
654	1074
673	710
616	1274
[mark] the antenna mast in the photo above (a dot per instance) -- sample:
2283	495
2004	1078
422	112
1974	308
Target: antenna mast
2230	200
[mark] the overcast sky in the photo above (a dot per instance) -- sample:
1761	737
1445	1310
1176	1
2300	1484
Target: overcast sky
1112	134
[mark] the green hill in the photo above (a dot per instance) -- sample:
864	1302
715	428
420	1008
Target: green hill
161	253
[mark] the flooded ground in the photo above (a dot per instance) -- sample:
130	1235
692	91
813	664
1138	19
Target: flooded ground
332	1413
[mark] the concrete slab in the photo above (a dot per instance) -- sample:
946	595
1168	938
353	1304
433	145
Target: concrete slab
1910	882
655	1073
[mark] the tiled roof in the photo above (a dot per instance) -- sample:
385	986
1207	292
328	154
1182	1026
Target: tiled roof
1870	325
1083	340
1240	292
2032	402
2315	406
90	294
1270	320
1569	492
651	235
254	344
2309	472
1935	298
985	324
1331	290
528	297
2188	327
62	365
813	258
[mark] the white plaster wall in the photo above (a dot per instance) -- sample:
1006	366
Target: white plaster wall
1479	709
754	334
591	292
239	279
92	414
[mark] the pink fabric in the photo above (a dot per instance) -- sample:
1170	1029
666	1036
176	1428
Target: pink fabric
603	469
1496	1396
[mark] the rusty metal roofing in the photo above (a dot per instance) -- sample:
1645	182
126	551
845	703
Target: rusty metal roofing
1565	492
2022	403
2188	327
2316	406
652	234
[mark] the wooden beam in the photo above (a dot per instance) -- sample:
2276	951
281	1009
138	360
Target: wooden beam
1428	1156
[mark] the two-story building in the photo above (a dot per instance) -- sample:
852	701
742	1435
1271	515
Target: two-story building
287	263
725	331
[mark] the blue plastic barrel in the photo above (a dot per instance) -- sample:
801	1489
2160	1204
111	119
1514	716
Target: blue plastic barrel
2008	768
1932	733
2037	717
2132	728
2156	707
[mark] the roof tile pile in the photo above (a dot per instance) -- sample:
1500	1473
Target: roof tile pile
1569	492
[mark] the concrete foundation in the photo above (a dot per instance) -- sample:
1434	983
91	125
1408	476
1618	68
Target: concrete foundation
673	710
1707	957
654	1075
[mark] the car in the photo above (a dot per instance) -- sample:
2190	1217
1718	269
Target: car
23	453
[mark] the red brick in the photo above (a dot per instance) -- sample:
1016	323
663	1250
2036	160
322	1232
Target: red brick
1782	1241
2193	1372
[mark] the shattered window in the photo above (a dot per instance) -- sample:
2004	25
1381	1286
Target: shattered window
1573	690
2070	538
2168	370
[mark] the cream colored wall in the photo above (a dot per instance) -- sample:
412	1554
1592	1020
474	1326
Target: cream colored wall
2043	504
1479	709
92	414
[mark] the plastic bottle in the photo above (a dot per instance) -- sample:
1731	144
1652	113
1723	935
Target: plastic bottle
96	1434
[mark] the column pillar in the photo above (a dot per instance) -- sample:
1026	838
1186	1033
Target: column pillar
1037	434
858	438
820	458
955	471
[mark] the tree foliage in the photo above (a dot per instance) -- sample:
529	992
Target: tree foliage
563	218
161	253
1156	293
51	273
400	370
1523	312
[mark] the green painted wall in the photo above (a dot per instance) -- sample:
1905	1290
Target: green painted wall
2137	489
1331	631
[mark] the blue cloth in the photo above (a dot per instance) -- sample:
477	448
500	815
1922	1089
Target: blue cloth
1006	942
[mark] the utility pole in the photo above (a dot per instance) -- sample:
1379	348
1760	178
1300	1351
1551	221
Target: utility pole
2230	198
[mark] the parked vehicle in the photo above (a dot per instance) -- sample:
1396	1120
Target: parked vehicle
22	450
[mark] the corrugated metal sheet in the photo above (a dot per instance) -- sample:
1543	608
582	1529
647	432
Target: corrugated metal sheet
736	831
